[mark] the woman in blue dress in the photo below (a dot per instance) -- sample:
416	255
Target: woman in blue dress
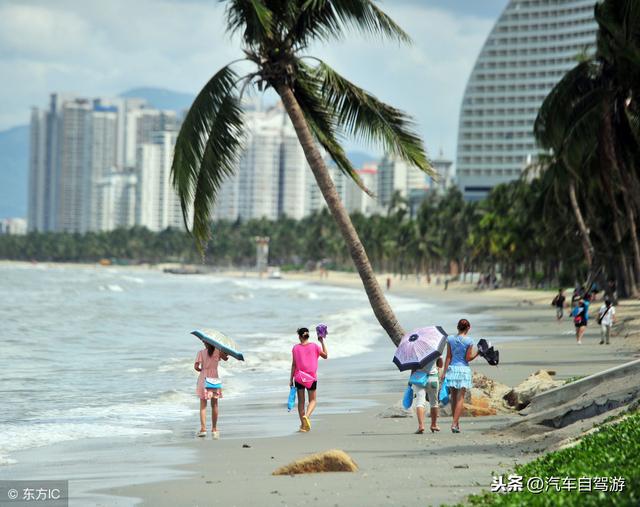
460	352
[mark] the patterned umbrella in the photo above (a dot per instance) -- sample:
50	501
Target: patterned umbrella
220	341
420	347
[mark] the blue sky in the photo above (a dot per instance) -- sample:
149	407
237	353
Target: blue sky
105	47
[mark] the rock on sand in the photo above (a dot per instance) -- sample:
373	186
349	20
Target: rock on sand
334	460
538	382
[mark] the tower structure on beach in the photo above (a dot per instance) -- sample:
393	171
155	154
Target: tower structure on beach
532	45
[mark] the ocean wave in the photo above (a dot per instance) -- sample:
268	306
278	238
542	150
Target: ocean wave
111	288
17	438
133	279
242	296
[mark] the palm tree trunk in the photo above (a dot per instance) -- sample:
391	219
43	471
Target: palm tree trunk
379	303
587	247
631	216
610	160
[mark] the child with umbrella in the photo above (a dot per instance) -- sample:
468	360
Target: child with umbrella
419	351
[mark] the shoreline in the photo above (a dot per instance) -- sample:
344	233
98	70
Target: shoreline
187	470
386	450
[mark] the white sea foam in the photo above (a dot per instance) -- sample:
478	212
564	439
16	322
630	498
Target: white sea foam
15	438
133	279
242	296
115	288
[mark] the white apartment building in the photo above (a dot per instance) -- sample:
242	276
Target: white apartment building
39	178
13	226
103	136
157	203
272	176
73	165
116	200
75	145
314	199
444	171
396	175
356	200
532	45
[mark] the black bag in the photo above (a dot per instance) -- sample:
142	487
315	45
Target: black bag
486	350
600	319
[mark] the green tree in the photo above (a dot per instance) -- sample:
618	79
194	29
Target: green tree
323	107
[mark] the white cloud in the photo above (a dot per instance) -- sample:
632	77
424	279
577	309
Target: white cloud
106	47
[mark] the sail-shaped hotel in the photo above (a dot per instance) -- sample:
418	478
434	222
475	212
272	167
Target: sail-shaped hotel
532	45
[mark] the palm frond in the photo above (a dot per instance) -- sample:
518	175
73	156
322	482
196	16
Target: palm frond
326	19
252	17
207	150
552	121
365	117
322	123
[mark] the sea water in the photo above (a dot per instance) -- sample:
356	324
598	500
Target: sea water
90	352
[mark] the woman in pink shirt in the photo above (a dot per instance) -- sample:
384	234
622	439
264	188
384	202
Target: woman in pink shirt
207	364
304	374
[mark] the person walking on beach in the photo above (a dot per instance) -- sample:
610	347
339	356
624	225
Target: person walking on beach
207	364
606	318
558	302
580	316
429	391
460	352
304	374
575	298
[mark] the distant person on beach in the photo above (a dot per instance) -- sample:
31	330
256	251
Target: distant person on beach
207	364
558	302
388	283
304	374
429	391
606	318
460	352
580	316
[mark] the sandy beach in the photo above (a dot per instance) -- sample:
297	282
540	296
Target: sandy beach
395	466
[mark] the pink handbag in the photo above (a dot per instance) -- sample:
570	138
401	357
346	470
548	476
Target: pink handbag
304	378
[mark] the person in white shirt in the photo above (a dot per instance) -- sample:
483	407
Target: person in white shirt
606	318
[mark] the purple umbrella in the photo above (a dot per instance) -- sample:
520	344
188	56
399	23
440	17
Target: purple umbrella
420	347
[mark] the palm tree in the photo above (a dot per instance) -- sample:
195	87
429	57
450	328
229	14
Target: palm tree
323	107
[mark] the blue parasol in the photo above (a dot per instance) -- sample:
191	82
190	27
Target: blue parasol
219	341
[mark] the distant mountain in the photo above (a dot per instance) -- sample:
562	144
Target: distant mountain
14	150
359	158
14	171
161	98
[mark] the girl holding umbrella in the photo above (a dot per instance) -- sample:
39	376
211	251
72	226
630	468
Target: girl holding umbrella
457	371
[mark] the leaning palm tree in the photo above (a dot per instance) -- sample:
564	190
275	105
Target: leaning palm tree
324	107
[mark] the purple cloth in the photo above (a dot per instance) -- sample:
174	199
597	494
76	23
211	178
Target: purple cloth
321	329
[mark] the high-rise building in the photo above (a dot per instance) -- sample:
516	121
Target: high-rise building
272	176
532	45
39	178
157	203
13	226
73	164
356	200
103	151
444	171
314	199
116	200
397	176
81	153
